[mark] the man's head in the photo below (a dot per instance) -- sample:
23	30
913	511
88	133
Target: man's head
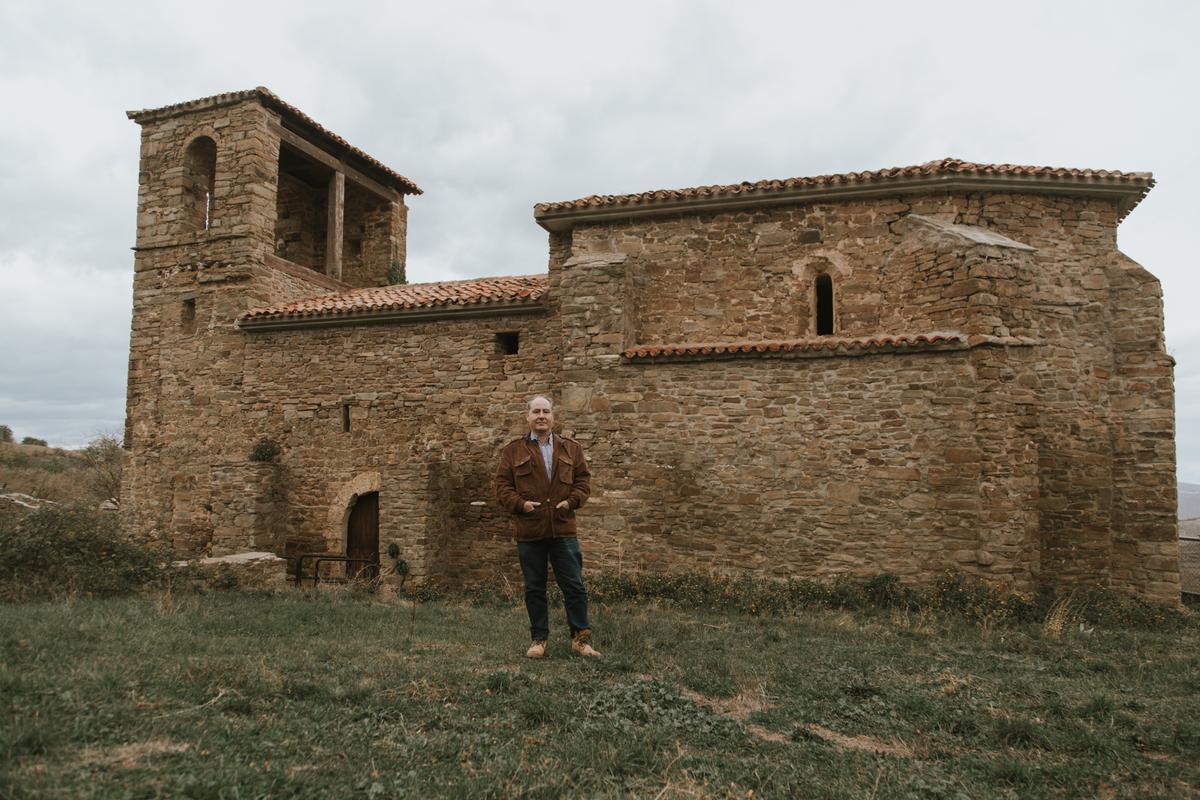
539	413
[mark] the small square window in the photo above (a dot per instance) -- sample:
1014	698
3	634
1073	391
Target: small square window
508	343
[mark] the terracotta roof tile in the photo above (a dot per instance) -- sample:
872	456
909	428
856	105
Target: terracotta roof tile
401	297
816	344
945	167
272	100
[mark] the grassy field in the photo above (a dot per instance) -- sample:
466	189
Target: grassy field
328	695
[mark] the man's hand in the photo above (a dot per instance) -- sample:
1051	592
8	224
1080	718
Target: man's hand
530	506
563	504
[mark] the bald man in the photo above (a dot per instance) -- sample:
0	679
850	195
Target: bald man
541	481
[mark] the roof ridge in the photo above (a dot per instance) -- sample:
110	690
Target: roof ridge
366	299
533	275
1137	182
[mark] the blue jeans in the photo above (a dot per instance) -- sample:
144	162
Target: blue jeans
567	559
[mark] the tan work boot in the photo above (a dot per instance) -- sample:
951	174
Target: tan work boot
537	649
581	645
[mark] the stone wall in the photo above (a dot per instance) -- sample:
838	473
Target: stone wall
300	223
374	235
430	404
1044	411
1145	550
791	466
750	275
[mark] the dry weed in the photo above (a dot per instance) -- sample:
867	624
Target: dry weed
128	756
1064	612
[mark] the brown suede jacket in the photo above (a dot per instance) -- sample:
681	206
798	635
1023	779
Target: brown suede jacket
521	476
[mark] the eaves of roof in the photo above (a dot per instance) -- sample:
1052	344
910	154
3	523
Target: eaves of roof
343	148
481	297
819	346
385	317
945	175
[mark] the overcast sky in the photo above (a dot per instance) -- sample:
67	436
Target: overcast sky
492	107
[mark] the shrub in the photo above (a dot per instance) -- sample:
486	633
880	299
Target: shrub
980	601
6	434
886	591
67	549
1097	604
395	273
32	440
265	450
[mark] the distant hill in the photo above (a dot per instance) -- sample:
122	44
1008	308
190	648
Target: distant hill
1189	500
49	473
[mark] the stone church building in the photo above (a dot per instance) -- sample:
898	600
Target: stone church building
944	366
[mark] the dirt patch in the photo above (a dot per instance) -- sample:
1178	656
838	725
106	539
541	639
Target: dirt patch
952	684
742	705
739	708
128	756
765	734
868	744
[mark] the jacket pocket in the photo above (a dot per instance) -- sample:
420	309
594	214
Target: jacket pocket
523	477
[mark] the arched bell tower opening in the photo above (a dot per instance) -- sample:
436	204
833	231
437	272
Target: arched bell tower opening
199	183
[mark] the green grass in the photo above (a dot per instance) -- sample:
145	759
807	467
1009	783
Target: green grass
328	695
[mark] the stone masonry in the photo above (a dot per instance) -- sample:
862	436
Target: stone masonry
947	366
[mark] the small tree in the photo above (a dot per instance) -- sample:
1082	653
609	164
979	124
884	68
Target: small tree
103	456
32	440
6	434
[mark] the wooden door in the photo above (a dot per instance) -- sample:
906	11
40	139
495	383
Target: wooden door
362	537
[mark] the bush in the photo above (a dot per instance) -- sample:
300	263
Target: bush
70	549
6	434
103	456
1109	607
265	450
980	601
32	440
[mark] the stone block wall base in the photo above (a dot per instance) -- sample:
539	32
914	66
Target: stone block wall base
252	571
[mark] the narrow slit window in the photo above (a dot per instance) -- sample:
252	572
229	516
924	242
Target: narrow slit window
824	298
187	315
508	343
345	417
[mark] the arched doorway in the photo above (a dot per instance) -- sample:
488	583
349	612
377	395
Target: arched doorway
362	537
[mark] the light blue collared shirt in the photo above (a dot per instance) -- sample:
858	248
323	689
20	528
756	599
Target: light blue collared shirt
547	452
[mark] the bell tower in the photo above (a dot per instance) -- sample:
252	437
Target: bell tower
243	201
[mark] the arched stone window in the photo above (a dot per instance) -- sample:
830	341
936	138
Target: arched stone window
199	180
823	296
